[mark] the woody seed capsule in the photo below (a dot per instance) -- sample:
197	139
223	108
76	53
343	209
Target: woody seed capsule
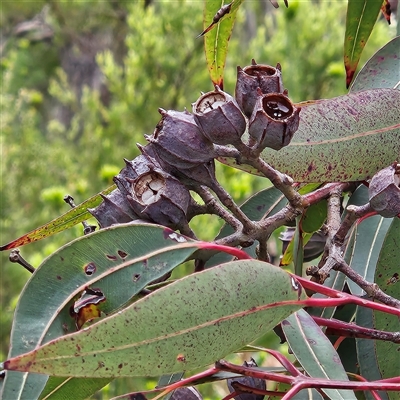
274	121
249	381
265	77
179	142
219	117
384	191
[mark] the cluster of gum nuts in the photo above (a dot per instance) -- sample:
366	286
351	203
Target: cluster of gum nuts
179	157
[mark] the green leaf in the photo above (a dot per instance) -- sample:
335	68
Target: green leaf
315	352
65	221
337	136
72	388
367	237
360	20
387	277
126	259
216	41
185	325
314	217
382	70
366	354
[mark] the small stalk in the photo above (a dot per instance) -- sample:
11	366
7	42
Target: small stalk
86	227
15	257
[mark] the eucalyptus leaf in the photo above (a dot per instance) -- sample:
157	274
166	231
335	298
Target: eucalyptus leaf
382	70
61	223
360	20
337	136
387	277
185	325
366	355
123	259
217	39
315	352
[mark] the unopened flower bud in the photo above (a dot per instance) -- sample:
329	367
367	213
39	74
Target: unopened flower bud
219	117
248	381
265	77
274	121
384	191
178	140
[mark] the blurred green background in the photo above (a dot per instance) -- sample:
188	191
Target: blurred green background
81	83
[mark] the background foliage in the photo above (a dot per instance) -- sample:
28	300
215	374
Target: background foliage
82	82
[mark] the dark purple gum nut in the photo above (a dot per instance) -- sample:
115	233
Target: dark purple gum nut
249	381
384	191
274	121
161	198
179	142
114	209
219	117
265	77
186	393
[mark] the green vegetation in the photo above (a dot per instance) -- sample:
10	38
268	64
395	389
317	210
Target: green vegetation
82	86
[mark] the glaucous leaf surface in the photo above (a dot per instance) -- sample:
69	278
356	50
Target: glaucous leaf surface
315	352
387	277
119	261
185	325
382	70
337	136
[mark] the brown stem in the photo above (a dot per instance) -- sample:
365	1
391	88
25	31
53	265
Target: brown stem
214	207
372	289
86	227
340	328
15	257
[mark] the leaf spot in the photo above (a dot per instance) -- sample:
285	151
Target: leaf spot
90	269
122	254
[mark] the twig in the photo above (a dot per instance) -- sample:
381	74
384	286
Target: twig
214	207
86	227
372	289
15	257
340	328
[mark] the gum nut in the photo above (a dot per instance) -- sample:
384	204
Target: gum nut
384	191
265	77
219	117
179	141
256	383
186	393
161	198
274	121
114	209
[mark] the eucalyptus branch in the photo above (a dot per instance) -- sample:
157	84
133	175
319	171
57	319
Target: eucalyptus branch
340	328
337	234
227	200
302	381
213	207
372	289
352	215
